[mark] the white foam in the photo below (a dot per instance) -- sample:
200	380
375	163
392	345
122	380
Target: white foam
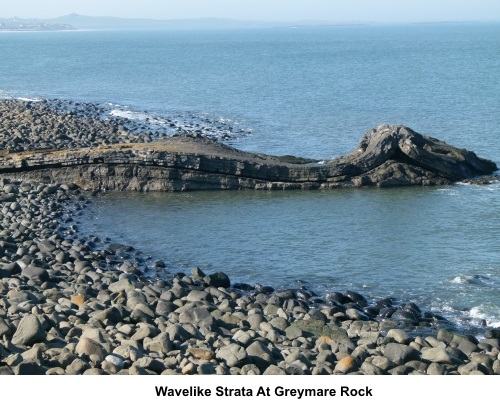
480	313
29	99
443	308
137	116
459	280
128	114
134	115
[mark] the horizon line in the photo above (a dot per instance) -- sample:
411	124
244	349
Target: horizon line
312	20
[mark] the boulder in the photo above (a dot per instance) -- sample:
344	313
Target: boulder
400	354
29	331
233	354
218	279
90	347
32	272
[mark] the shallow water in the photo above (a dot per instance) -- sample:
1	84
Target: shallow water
436	246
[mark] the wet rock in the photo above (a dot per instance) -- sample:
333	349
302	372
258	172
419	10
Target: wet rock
356	297
218	279
355	314
492	334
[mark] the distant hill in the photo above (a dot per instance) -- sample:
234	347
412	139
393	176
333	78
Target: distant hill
76	21
85	22
20	24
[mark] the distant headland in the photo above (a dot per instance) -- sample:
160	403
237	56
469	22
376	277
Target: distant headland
81	22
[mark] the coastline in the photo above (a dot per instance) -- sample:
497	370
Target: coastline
71	304
58	30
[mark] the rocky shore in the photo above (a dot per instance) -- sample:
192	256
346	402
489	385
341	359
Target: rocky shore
51	143
71	304
66	124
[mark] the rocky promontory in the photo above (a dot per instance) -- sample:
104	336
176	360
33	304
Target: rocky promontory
47	144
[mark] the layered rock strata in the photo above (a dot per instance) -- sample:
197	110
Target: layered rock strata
386	156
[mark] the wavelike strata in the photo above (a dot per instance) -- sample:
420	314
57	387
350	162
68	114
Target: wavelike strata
386	156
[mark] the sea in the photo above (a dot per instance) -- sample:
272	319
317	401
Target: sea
304	91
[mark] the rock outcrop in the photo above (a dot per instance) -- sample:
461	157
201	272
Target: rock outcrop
386	156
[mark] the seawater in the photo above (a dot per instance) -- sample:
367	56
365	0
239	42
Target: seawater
437	246
309	92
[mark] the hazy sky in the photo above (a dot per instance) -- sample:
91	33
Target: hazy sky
268	10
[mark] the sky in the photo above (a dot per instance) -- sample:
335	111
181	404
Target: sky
263	10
